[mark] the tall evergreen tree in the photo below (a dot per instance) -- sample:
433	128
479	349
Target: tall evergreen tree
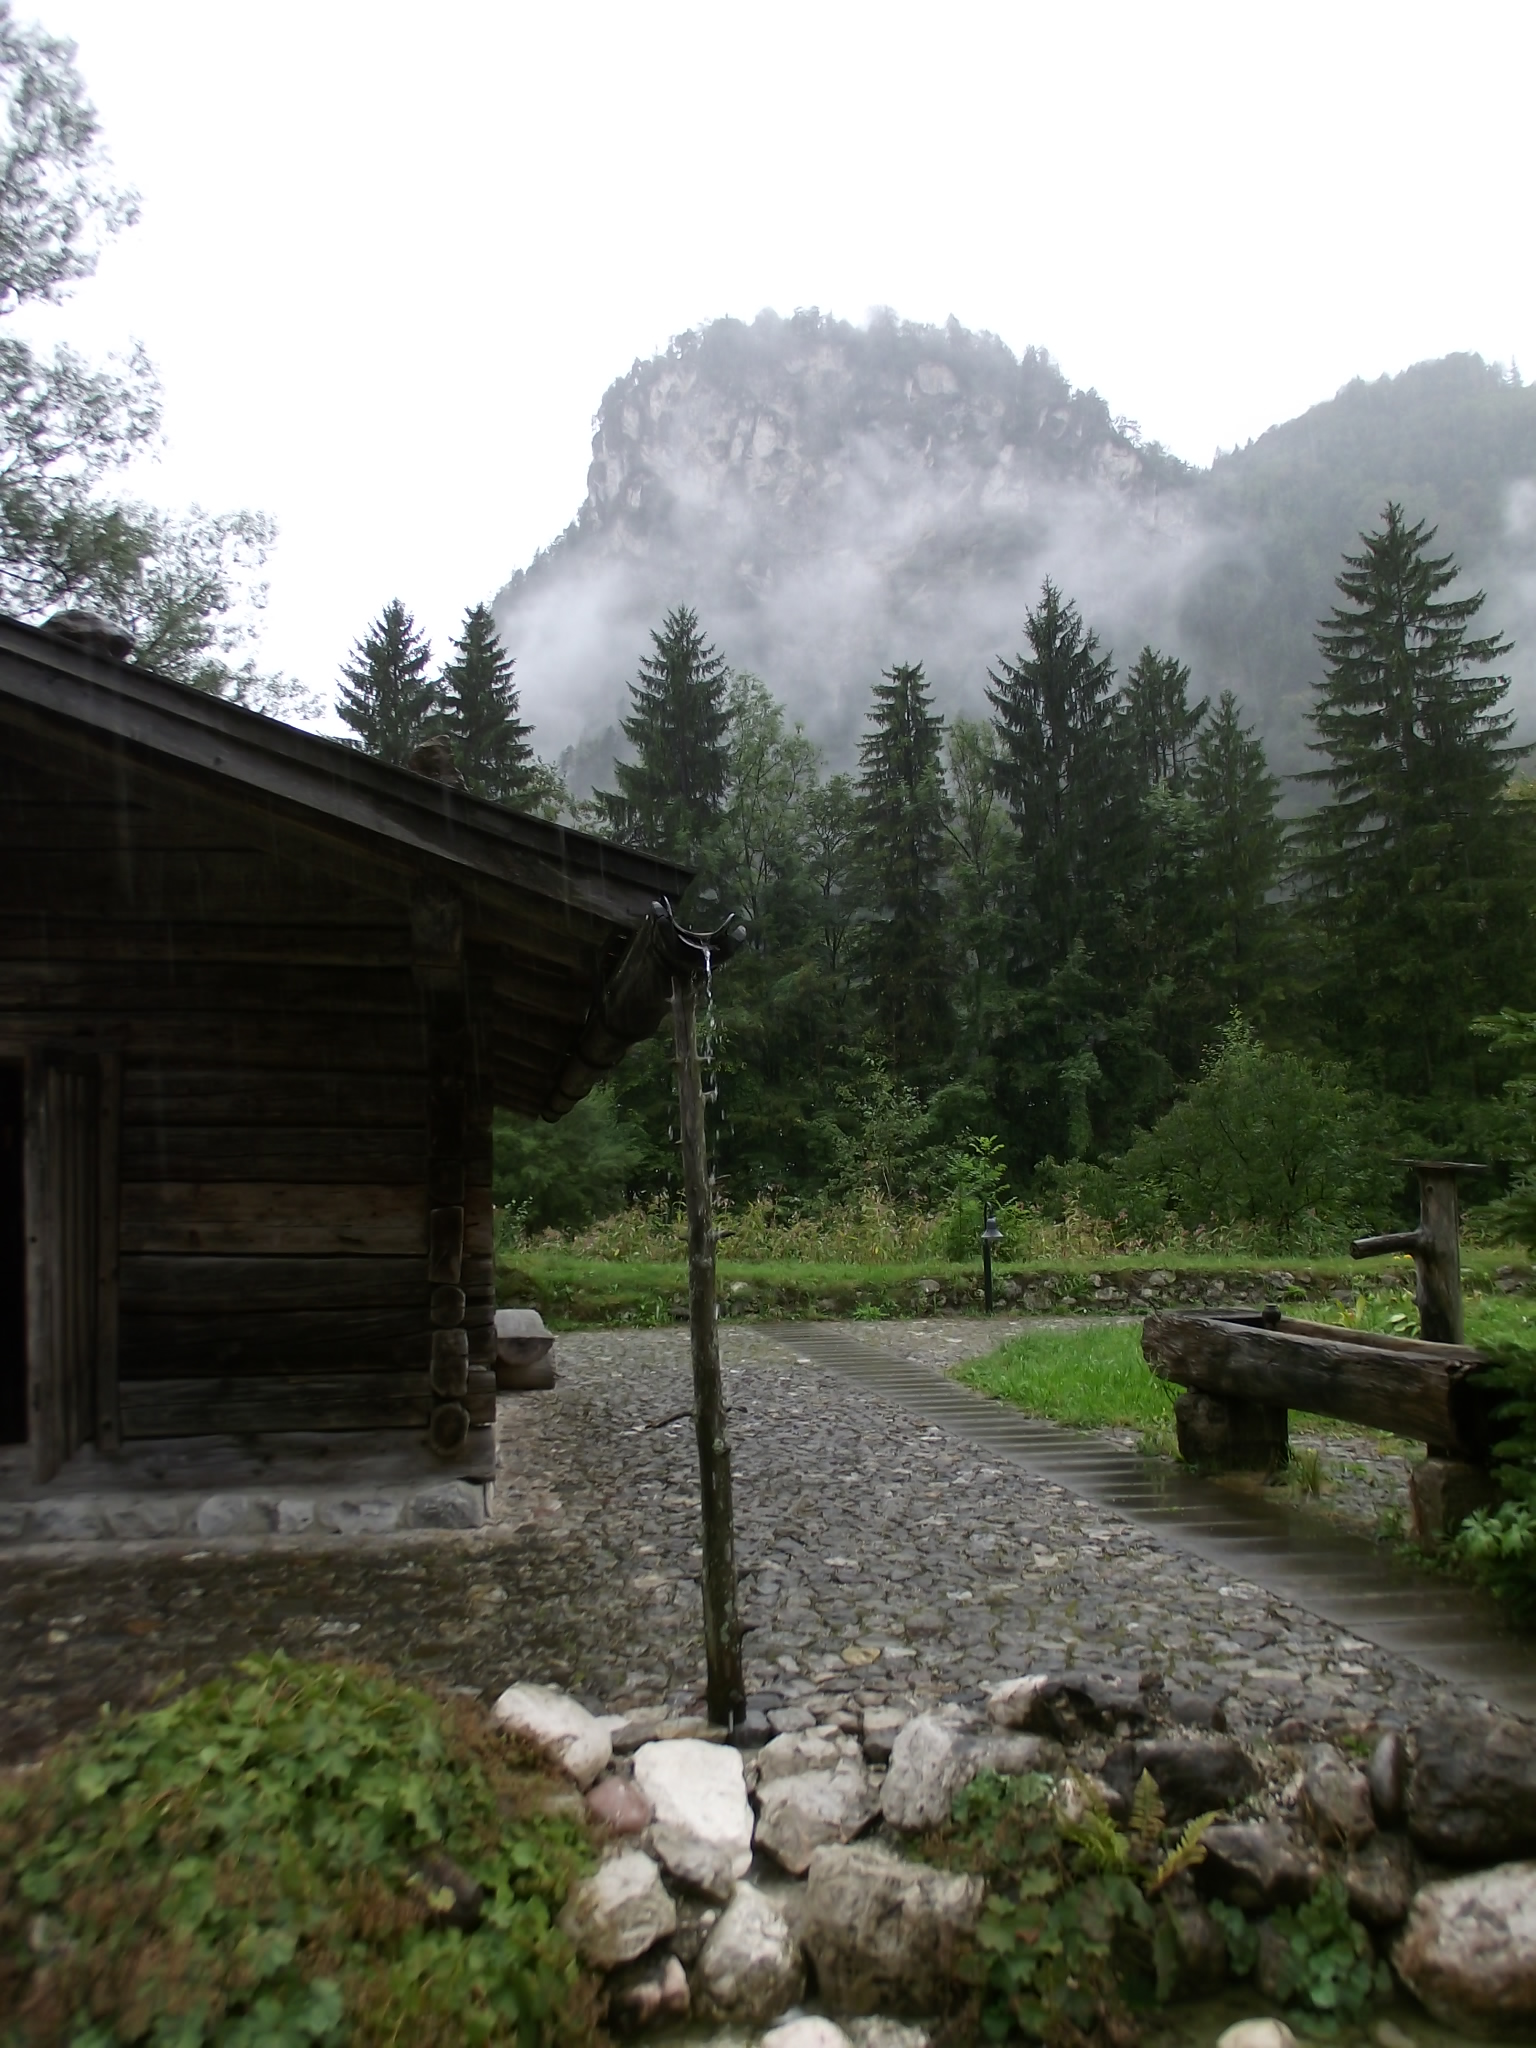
1161	722
1066	779
1417	871
903	810
480	714
670	795
386	695
1242	847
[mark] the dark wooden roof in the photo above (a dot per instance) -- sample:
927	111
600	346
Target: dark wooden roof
562	922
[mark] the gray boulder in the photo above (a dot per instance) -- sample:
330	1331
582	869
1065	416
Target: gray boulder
801	1813
1256	1865
1472	1790
1194	1777
885	1935
1468	1951
1336	1798
1387	1776
1380	1878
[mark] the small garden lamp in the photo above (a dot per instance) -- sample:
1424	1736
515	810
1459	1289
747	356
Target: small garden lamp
990	1235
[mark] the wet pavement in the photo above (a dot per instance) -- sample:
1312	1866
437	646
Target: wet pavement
888	1551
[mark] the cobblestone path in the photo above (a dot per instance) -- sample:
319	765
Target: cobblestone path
880	1556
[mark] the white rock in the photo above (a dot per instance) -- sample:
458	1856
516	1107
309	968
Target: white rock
801	1814
559	1727
1011	1703
698	1789
1468	1950
751	1967
932	1759
806	2033
788	1755
702	1866
619	1911
886	1935
1258	2034
878	2032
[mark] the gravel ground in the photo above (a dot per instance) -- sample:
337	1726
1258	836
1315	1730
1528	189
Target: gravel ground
881	1559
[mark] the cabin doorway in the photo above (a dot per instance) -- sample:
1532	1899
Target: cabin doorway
13	1262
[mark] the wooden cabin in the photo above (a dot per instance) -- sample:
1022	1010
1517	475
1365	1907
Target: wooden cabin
259	996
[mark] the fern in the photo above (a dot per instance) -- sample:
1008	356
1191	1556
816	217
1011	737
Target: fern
1185	1854
1148	1818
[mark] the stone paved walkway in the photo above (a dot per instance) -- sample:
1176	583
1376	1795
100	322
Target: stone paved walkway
881	1558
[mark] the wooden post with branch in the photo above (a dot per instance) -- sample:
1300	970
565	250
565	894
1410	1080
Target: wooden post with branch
722	1630
1435	1247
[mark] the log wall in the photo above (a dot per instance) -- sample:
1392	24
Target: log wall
303	1226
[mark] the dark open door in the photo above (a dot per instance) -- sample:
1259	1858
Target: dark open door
69	1173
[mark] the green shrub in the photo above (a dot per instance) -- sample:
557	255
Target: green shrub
1500	1543
1267	1139
563	1176
257	1865
1326	1964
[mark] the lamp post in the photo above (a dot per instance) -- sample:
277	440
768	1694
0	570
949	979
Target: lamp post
990	1235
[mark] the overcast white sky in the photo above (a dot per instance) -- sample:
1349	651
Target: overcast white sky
391	255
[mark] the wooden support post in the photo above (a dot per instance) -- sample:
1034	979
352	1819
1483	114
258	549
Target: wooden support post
722	1631
1435	1246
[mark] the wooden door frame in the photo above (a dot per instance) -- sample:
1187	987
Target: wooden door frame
29	1041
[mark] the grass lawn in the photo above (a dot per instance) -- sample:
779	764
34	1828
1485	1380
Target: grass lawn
1093	1378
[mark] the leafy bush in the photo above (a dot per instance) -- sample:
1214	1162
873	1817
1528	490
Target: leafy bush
259	1864
1071	1920
1500	1542
1265	1139
563	1176
1325	1962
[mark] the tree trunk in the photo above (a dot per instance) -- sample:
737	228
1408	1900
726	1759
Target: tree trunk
722	1632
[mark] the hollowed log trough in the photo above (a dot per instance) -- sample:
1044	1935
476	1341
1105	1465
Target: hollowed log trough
1242	1374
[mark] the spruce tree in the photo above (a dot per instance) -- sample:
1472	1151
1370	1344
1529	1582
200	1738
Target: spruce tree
1241	852
480	715
670	795
386	695
1417	870
903	810
1161	722
1067	780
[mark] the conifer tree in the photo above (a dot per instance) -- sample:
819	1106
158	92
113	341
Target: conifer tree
1161	722
386	695
1242	846
670	795
1067	781
480	715
1417	870
903	810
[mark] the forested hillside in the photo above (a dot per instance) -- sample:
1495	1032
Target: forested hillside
835	499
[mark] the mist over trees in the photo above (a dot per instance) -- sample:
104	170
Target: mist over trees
1075	947
1072	948
829	495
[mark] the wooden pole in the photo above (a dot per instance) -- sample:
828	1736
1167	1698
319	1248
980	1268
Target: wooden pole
1435	1246
722	1632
